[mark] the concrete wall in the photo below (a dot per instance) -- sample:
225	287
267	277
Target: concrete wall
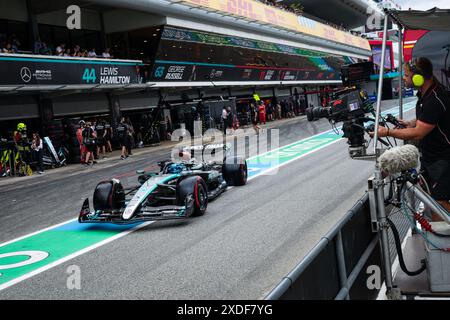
90	20
13	10
125	20
17	10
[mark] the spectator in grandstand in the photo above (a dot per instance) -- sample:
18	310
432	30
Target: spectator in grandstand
79	53
15	42
76	51
37	145
106	54
8	48
67	53
45	50
92	53
38	45
61	49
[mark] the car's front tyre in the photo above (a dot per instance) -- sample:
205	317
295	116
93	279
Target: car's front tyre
193	187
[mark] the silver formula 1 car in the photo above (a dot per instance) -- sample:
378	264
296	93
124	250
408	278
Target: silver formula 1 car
181	189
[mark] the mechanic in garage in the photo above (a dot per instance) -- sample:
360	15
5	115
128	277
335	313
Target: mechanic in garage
431	127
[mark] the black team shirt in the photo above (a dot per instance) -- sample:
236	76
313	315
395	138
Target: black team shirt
433	107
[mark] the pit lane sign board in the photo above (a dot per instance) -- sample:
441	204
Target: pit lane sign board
193	71
70	71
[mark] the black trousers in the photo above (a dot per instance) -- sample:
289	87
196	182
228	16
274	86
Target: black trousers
128	143
437	175
39	155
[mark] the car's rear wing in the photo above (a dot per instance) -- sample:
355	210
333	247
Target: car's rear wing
200	151
215	146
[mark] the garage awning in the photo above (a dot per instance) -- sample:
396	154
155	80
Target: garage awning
434	19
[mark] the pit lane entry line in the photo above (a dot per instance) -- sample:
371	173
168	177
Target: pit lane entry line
32	254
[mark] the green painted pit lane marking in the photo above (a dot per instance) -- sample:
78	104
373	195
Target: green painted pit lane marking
267	162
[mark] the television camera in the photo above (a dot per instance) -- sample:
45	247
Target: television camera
351	106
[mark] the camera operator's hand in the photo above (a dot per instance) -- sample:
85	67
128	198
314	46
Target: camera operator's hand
405	123
382	132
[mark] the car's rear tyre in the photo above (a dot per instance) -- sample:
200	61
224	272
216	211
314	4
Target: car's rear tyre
234	171
109	195
194	187
309	114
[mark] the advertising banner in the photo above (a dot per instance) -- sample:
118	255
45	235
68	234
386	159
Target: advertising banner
18	70
254	10
186	72
214	57
218	39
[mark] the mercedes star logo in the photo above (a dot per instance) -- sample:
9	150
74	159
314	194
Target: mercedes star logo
25	73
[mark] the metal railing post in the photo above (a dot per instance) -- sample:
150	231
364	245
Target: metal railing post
341	264
380	85
400	72
429	202
382	222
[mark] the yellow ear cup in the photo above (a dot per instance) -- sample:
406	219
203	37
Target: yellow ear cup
418	80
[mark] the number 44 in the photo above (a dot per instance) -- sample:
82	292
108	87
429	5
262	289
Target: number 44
89	75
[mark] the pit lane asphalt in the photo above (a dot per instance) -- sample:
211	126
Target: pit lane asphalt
247	241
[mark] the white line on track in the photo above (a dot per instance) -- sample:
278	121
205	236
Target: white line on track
319	134
37	232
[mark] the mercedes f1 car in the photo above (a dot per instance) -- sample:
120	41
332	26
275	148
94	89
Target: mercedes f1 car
181	189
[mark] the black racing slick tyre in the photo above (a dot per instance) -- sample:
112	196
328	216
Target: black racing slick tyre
194	187
234	171
309	114
108	195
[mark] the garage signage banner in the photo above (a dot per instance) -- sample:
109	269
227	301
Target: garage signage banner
31	70
187	72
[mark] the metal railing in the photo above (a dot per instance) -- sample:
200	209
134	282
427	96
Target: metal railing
345	278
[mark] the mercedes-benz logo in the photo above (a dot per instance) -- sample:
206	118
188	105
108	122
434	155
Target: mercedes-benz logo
25	73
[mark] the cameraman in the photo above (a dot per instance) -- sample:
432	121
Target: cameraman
431	127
